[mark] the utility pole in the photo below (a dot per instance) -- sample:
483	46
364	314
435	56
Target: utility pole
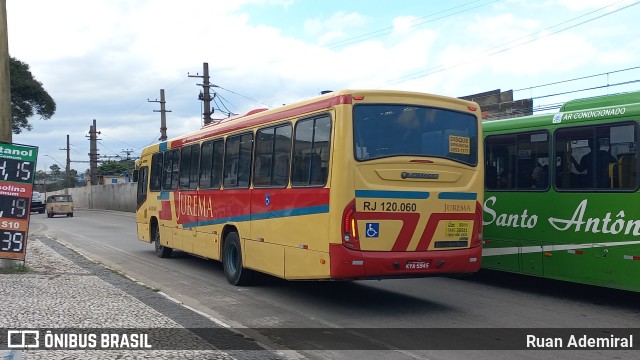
128	152
163	116
93	153
68	167
205	97
5	88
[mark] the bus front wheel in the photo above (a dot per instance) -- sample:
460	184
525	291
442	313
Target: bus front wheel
161	251
232	261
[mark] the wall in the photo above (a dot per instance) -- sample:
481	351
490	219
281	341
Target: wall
119	197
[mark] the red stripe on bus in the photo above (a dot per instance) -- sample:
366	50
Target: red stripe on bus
282	199
191	206
246	124
165	212
409	224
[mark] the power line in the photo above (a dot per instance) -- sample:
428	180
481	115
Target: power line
578	78
218	98
587	89
104	134
440	68
414	23
235	93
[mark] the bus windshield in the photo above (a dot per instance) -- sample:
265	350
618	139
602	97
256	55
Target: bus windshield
408	130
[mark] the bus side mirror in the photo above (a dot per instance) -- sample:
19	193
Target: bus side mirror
135	175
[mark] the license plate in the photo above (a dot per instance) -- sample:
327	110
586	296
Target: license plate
417	265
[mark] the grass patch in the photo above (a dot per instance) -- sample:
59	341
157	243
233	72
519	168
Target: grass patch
17	268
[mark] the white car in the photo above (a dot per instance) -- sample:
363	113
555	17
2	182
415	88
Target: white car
37	205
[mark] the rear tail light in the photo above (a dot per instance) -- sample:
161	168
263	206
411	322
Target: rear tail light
350	227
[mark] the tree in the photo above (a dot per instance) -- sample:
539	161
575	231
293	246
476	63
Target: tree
115	167
28	97
55	171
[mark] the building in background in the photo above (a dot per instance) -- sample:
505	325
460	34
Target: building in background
496	104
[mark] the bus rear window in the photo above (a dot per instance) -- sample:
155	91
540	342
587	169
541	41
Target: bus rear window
402	130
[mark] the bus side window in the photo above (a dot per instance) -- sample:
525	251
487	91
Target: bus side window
155	183
627	171
141	195
316	175
311	144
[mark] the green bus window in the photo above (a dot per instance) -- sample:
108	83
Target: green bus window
596	158
517	162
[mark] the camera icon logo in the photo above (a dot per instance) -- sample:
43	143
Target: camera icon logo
23	339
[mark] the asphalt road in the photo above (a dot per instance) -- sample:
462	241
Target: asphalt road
490	300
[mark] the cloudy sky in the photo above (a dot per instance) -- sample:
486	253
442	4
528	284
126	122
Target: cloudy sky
104	59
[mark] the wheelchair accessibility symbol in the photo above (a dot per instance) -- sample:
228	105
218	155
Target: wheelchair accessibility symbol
373	230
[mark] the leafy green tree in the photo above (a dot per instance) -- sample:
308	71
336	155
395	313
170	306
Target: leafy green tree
28	97
55	171
115	167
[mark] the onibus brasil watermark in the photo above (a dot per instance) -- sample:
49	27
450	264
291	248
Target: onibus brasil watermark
37	339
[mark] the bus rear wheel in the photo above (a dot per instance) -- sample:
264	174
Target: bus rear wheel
232	261
161	251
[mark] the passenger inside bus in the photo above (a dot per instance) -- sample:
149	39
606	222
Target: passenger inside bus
539	177
601	162
503	180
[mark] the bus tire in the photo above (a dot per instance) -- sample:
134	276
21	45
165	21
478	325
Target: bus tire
161	251
234	271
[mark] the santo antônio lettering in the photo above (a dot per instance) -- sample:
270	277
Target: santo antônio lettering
611	223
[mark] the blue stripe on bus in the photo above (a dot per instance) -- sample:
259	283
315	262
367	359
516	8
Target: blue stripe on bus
164	195
457	196
311	210
382	194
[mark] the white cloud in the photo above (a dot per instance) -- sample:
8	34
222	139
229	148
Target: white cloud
339	26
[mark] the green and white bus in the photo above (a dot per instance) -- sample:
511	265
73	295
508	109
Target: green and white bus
561	193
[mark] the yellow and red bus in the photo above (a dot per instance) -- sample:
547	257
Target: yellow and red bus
352	184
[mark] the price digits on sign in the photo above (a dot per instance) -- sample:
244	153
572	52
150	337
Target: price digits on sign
15	170
17	207
11	240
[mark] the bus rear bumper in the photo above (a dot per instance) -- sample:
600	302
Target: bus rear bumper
356	264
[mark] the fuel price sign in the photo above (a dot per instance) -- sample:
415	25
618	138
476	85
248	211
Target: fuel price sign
17	172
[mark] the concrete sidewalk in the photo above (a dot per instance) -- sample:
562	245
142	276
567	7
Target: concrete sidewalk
64	289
